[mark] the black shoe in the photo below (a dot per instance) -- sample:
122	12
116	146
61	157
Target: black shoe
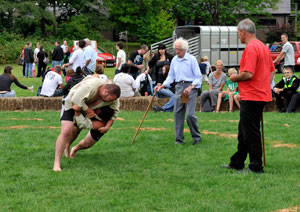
282	110
196	142
157	108
179	142
230	167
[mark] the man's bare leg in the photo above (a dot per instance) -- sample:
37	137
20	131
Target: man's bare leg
72	138
86	143
62	139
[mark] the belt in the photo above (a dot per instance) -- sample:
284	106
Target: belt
183	82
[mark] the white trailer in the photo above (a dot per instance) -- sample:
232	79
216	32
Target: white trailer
216	42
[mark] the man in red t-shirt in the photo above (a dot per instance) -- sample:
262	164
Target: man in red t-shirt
256	73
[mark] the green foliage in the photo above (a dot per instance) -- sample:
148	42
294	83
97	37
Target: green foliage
155	27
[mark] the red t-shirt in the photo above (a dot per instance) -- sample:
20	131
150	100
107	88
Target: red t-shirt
256	59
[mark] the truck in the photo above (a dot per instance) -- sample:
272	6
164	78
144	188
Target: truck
277	48
216	42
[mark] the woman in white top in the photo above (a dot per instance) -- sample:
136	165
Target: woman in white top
125	82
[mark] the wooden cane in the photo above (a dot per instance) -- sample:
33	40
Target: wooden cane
138	129
263	138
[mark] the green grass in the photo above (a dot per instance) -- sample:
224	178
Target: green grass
154	174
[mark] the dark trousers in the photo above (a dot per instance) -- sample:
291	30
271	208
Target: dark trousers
249	137
24	69
295	101
41	69
287	95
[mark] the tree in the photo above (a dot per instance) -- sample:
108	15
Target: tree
153	28
219	12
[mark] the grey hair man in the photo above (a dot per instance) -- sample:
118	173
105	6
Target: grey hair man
256	73
90	56
185	71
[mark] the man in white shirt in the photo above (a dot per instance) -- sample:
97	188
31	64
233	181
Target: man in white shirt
288	52
77	58
64	46
121	57
126	82
52	85
36	51
90	56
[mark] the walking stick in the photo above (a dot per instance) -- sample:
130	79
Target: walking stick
138	129
263	138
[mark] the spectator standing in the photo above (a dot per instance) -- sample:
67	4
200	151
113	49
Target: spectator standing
121	57
136	60
288	52
57	55
23	56
256	72
6	79
90	56
36	51
125	82
52	81
77	58
64	47
208	68
286	88
184	70
28	59
42	66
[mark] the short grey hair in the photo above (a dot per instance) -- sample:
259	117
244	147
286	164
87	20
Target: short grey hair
184	43
87	41
247	25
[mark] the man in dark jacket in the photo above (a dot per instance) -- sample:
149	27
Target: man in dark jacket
57	55
286	88
28	59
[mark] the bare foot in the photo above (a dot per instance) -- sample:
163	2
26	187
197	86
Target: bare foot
56	168
73	152
67	152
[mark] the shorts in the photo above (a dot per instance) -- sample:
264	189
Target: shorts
68	115
96	135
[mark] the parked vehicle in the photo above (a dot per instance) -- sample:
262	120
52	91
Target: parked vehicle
105	58
276	49
216	42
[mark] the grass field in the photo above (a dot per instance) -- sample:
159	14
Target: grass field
154	174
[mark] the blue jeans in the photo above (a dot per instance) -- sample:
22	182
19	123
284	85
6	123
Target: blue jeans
165	92
168	107
12	93
56	63
28	70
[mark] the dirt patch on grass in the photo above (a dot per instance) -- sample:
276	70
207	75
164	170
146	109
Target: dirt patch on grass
28	127
170	120
224	135
150	129
286	125
120	119
285	145
28	119
293	209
